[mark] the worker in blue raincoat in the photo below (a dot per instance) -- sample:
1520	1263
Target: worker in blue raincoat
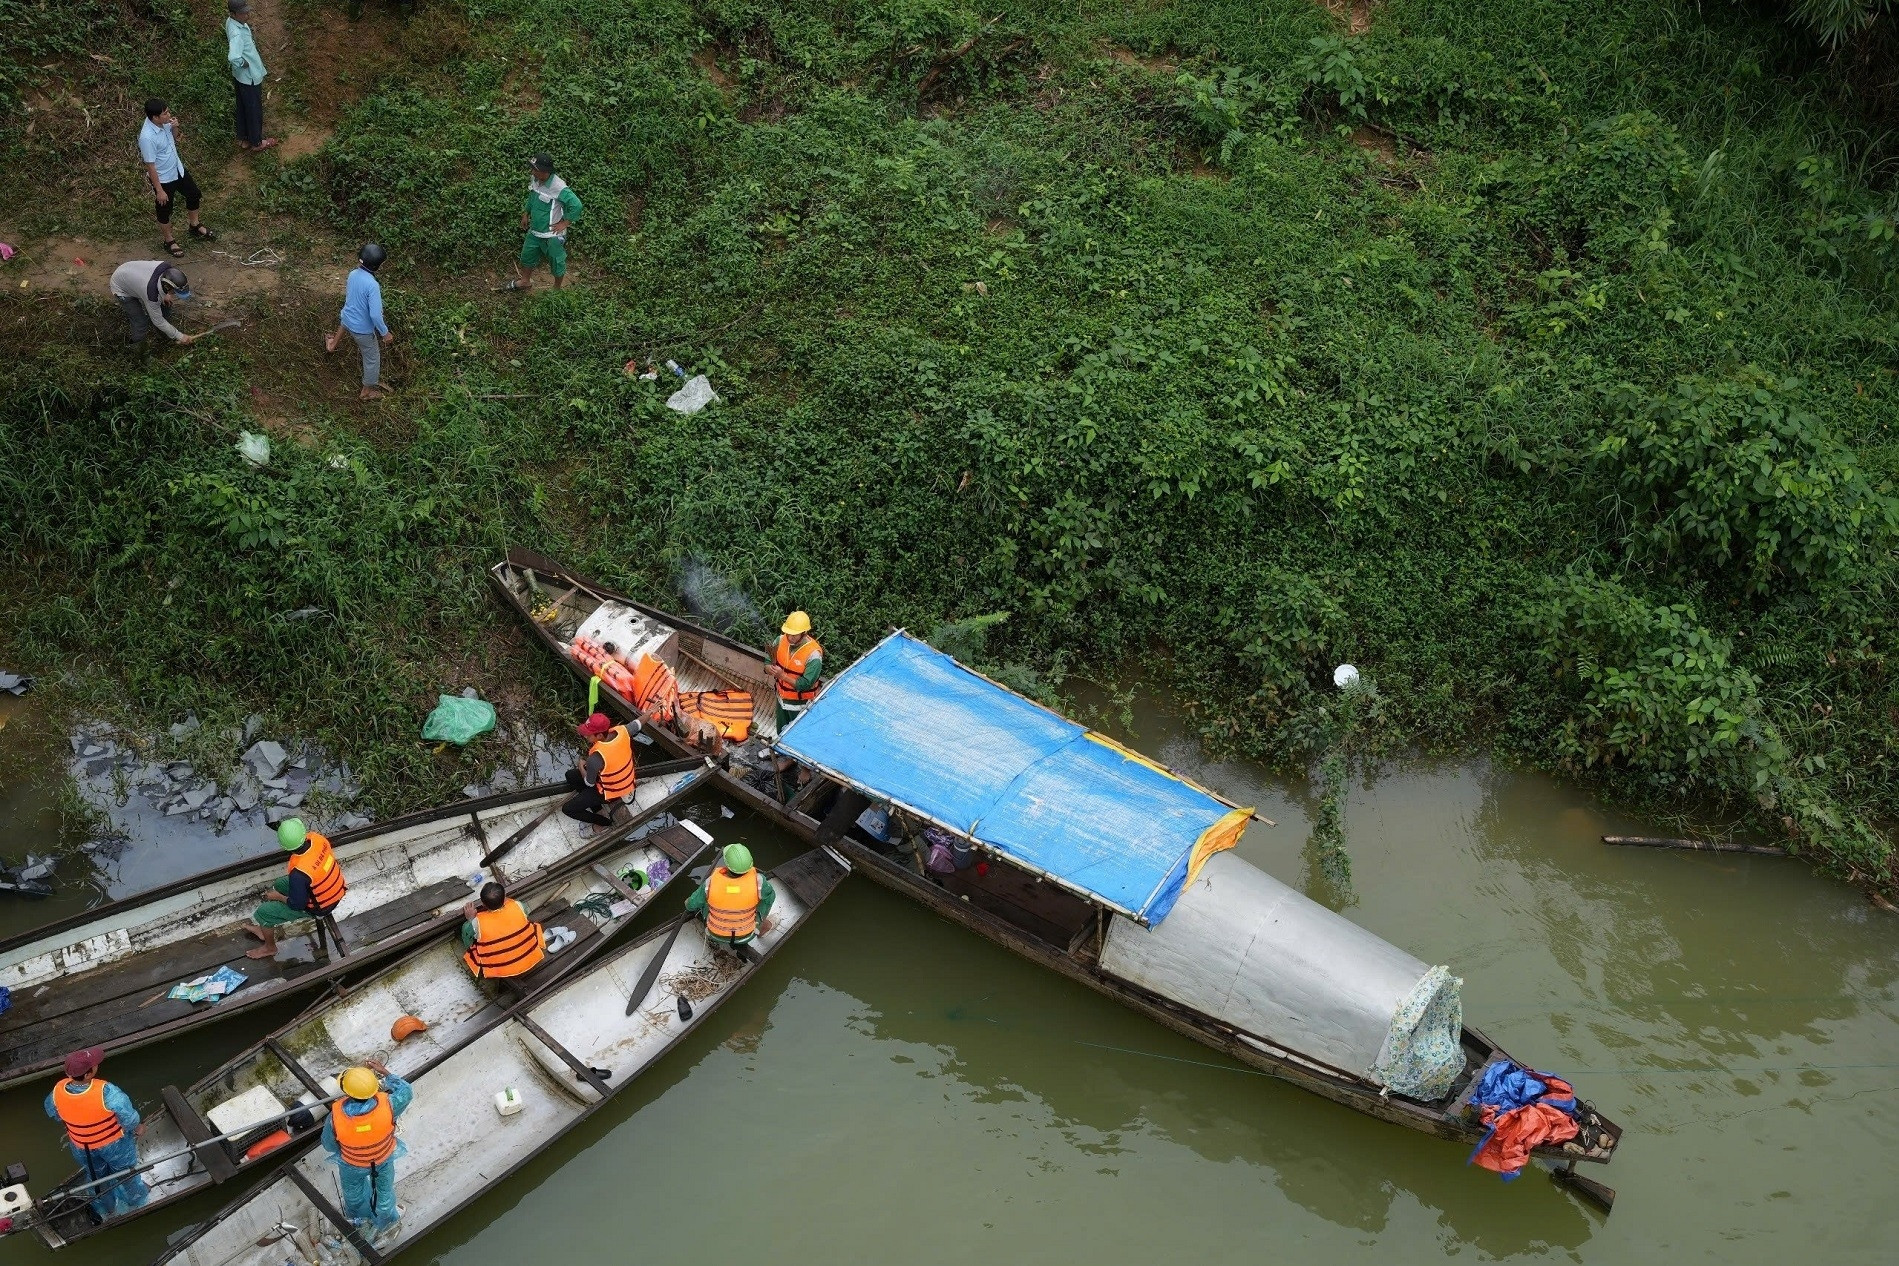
102	1129
360	1135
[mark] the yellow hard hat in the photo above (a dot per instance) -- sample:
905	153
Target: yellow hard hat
796	622
360	1083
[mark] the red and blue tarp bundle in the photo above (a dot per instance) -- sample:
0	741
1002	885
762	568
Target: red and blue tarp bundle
1522	1110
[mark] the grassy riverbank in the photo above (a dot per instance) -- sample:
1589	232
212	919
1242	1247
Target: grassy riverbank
1538	358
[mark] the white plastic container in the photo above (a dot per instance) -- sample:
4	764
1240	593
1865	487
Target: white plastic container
508	1102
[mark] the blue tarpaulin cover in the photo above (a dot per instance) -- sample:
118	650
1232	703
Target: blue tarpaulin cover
908	724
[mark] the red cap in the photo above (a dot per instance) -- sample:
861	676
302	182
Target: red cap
596	725
85	1063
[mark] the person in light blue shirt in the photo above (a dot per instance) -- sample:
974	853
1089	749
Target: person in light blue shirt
158	149
247	77
362	319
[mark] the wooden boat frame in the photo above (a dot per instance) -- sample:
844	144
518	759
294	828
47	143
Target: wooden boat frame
124	911
812	814
796	876
214	1163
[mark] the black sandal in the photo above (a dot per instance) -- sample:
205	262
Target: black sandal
198	230
178	252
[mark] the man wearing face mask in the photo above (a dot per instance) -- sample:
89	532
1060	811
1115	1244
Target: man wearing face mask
144	289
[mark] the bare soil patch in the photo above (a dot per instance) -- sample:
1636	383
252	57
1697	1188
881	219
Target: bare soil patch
1354	15
1165	64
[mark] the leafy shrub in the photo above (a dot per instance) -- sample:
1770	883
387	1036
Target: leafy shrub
1738	470
1654	690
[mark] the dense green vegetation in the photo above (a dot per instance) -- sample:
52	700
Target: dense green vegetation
1536	356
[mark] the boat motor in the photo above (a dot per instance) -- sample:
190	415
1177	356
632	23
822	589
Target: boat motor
15	1204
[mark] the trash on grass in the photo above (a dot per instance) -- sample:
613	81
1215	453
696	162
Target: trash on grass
254	448
458	720
694	396
15	683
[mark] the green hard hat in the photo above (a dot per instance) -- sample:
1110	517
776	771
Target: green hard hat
290	833
738	859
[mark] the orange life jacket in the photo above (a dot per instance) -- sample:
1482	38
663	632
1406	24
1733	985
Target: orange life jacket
326	877
89	1123
732	903
369	1139
655	689
727	711
616	774
507	942
795	662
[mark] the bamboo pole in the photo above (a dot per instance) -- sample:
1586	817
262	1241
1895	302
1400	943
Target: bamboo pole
1698	846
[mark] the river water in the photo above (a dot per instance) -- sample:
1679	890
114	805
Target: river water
892	1088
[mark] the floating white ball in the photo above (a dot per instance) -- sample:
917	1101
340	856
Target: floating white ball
1345	676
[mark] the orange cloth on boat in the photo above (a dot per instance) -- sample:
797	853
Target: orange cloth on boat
727	711
89	1123
1516	1132
655	689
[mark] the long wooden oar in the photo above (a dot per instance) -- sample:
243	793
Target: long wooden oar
502	849
650	976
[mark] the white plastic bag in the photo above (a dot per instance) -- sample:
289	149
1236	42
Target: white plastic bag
254	448
694	396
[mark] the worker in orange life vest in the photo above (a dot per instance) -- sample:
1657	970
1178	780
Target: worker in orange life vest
605	774
102	1129
797	661
735	901
311	885
502	941
360	1135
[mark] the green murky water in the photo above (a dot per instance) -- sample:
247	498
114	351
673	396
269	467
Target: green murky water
894	1089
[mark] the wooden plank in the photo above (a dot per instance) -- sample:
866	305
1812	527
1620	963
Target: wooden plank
296	1069
567	1057
618	884
810	877
367	927
678	843
335	1215
214	1155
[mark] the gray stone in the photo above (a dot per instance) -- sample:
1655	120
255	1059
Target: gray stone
93	749
97	765
149	773
292	801
298	779
469	692
277	784
179	769
176	807
245	793
266	758
504	780
275	814
253	726
196	797
351	821
185	728
474	791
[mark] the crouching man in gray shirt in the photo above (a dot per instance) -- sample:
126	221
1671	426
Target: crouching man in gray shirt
144	289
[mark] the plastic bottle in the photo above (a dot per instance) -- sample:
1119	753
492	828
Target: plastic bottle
674	366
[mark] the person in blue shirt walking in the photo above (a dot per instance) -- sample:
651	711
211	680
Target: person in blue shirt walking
247	76
362	319
102	1129
359	1133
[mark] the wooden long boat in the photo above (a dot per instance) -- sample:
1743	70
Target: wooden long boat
565	1051
244	1116
100	977
1060	926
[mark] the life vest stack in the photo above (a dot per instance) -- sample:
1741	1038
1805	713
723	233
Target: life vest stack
600	662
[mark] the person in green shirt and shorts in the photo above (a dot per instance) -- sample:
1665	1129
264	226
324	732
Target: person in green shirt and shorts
551	207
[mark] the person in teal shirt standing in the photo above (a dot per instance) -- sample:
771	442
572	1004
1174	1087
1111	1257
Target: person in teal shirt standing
551	208
247	77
